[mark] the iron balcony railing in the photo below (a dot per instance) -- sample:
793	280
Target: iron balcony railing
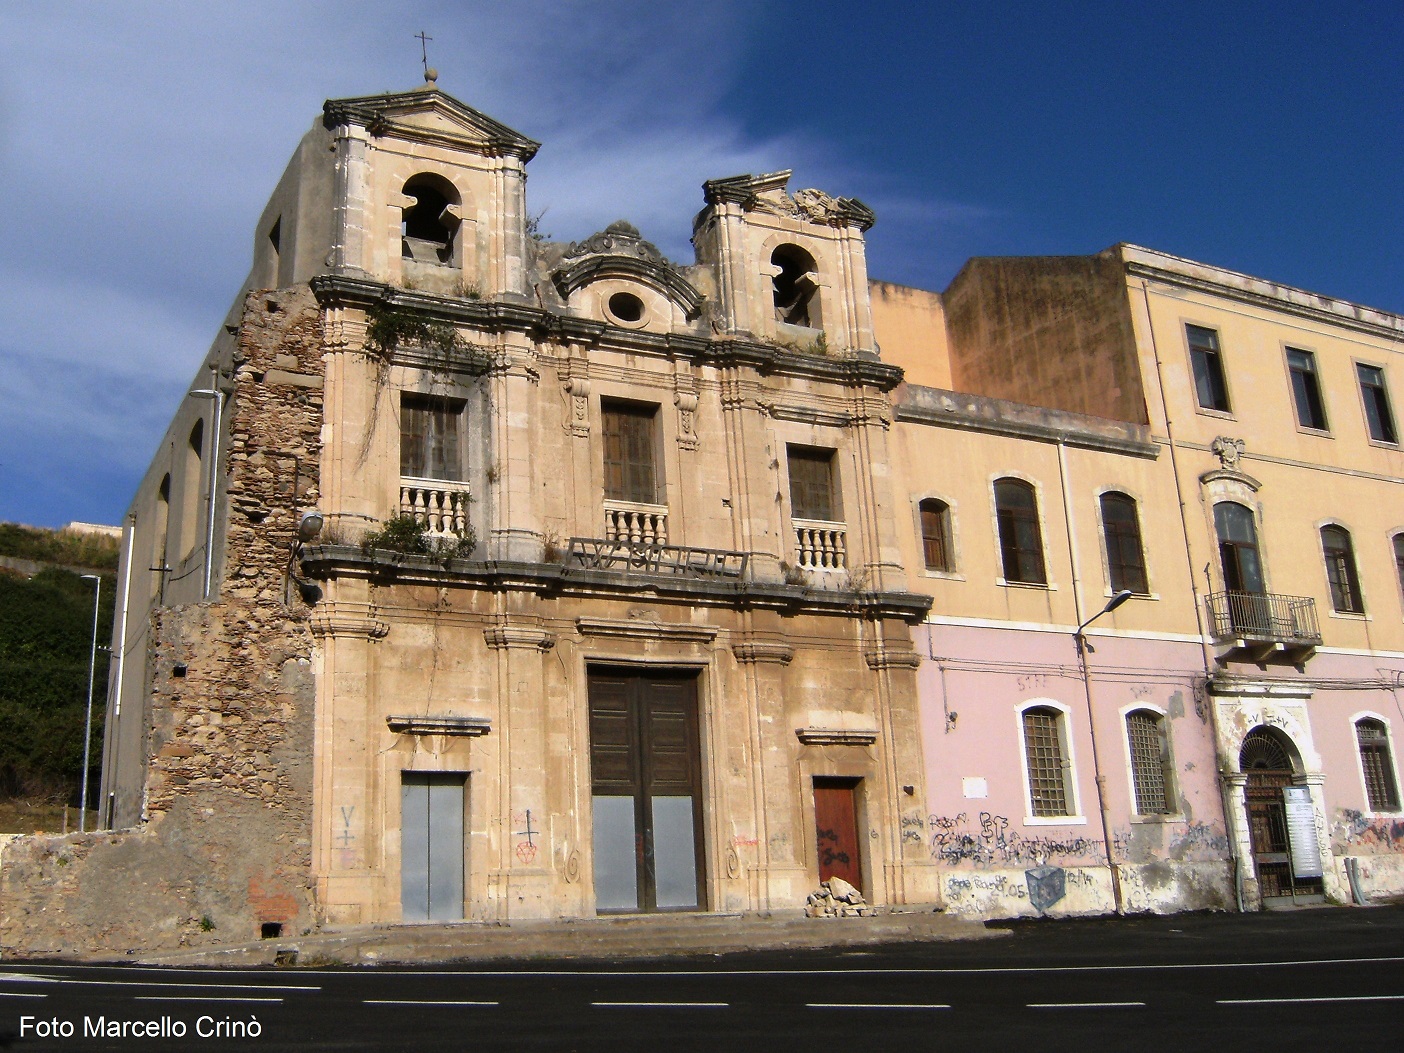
1263	616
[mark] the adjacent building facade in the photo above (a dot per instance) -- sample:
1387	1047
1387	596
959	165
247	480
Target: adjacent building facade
488	578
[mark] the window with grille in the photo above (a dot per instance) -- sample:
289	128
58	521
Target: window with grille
1020	540
1208	366
1047	769
812	484
431	437
1340	570
1145	733
630	452
1381	791
1126	561
936	534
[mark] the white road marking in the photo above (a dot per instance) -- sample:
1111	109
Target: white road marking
418	1001
662	1005
189	986
1290	1001
202	998
22	994
872	1005
28	978
1085	1005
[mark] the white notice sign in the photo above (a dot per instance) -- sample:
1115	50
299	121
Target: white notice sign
1301	832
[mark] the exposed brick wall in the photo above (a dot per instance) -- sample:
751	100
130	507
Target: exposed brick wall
229	788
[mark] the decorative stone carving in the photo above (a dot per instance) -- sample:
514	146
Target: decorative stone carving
620	251
578	389
500	636
620	238
469	726
761	651
1228	451
767	193
686	401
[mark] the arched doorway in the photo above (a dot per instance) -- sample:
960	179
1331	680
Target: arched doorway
1266	760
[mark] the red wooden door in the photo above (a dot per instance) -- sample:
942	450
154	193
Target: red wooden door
836	830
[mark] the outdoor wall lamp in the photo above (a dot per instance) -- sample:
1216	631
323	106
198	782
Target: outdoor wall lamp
309	525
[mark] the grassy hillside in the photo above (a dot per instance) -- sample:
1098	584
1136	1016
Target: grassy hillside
46	631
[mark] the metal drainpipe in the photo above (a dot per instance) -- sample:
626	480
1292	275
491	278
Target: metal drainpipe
1224	803
108	775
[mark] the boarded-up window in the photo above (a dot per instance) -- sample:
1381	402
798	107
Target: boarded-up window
812	484
630	452
431	437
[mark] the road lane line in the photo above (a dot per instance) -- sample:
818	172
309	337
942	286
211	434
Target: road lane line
873	1005
22	994
1290	1001
1086	1005
662	1005
202	998
418	1001
28	978
188	986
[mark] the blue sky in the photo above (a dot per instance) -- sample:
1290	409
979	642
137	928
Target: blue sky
139	141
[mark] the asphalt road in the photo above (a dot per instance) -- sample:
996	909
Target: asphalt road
1284	981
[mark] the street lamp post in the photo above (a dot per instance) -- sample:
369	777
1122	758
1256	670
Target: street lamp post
88	721
1099	779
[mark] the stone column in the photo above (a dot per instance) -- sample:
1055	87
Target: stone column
1235	785
516	527
522	882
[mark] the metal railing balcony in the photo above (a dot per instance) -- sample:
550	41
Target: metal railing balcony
1263	617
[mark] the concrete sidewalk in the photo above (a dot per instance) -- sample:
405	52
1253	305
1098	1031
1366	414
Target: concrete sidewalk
619	938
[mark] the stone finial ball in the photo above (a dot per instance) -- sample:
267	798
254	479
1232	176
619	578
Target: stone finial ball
431	75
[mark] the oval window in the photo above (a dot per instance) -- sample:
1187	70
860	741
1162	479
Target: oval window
626	307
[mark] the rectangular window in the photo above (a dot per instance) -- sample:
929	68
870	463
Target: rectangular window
431	437
1306	389
630	452
1145	733
812	484
1043	753
1208	366
1377	413
936	534
1380	788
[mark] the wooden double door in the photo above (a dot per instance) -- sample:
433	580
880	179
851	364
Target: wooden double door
645	774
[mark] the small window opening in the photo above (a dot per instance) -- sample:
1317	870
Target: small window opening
275	236
626	307
270	930
429	224
795	288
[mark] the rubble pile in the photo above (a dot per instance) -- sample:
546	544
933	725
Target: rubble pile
836	898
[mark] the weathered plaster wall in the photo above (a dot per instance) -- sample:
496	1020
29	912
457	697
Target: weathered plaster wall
910	327
1052	331
227	845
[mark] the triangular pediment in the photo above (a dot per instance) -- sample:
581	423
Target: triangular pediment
429	115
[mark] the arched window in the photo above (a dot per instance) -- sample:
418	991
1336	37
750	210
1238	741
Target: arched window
1020	540
1126	562
429	225
796	302
161	534
1340	570
1045	760
936	534
1376	764
1150	762
190	487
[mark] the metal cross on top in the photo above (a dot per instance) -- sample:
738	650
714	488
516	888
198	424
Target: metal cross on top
424	39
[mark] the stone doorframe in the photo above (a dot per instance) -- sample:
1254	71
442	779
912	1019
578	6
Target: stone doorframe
1241	706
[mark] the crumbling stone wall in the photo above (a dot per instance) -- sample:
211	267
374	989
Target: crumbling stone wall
226	847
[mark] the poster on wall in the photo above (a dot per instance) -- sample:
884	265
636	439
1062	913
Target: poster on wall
1301	832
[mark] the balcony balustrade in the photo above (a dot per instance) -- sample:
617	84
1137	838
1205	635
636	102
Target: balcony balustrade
441	505
637	523
821	545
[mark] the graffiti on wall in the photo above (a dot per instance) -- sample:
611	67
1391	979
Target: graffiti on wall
1042	887
989	841
1358	830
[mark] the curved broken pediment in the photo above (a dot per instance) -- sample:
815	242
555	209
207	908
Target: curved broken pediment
620	251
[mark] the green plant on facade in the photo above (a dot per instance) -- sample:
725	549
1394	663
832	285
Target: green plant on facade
389	328
407	534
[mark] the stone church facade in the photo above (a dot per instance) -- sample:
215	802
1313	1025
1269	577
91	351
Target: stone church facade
488	578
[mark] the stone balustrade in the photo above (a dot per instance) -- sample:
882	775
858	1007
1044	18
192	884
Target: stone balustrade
639	523
441	505
821	545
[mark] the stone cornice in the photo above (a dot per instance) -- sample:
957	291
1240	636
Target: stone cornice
887	658
501	316
332	561
951	409
519	636
659	275
1285	299
330	623
646	629
480	133
764	652
837	736
446	725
